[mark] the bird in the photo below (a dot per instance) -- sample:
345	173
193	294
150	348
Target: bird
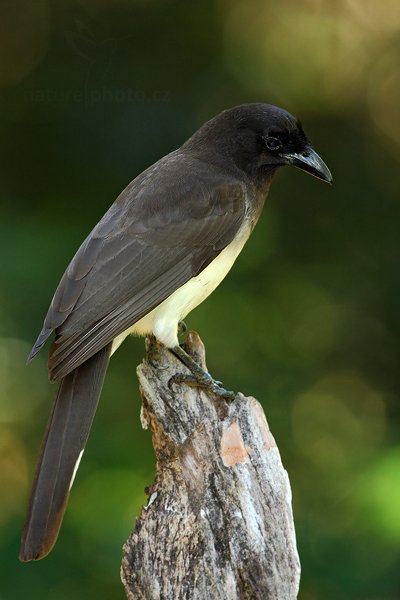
165	244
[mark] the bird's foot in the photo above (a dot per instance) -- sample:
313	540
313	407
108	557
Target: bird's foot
182	327
208	385
199	378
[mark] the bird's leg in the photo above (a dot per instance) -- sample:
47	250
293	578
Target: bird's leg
182	327
199	377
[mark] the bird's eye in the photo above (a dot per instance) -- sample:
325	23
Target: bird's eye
273	143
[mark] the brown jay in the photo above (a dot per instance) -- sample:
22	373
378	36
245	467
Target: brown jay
164	245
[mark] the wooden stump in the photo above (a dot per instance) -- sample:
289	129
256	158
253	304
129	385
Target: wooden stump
218	524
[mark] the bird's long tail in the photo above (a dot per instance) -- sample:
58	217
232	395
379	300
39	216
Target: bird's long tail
64	441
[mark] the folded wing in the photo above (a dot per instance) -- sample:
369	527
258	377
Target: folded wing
163	230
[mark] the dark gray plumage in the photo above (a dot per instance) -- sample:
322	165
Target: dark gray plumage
64	441
139	253
163	246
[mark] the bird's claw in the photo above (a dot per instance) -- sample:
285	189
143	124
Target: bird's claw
182	327
206	383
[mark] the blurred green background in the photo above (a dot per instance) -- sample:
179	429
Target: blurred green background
92	92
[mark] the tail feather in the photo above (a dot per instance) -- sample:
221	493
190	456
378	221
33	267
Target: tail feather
67	431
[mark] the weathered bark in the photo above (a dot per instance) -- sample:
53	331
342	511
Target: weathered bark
218	524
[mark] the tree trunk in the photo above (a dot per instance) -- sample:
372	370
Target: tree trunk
218	524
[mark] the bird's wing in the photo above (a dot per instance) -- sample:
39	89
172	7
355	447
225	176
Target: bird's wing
146	246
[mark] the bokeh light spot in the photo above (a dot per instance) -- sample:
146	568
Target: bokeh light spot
377	495
338	421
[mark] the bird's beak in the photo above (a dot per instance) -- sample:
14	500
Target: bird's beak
310	162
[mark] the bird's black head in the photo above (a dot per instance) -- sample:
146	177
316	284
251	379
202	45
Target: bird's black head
260	138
